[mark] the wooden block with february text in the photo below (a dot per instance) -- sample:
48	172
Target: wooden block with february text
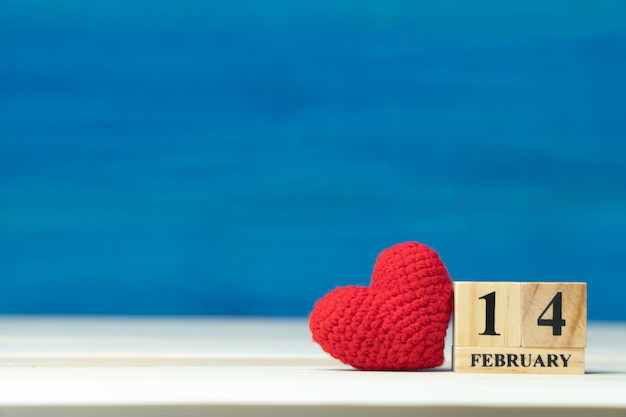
487	314
519	360
554	314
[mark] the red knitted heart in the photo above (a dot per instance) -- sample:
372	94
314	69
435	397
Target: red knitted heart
398	323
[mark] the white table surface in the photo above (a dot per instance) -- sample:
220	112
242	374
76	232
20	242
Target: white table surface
217	366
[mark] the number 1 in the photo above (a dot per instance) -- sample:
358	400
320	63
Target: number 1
490	314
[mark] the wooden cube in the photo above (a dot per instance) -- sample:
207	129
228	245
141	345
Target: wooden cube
487	314
512	327
554	314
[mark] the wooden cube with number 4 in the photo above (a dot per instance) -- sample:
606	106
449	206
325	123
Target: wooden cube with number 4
513	327
554	314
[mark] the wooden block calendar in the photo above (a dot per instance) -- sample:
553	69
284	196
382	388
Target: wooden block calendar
513	327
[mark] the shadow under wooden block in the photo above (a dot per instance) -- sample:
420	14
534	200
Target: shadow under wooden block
518	360
487	314
554	314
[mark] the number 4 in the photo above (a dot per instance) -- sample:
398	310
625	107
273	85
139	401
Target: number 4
556	322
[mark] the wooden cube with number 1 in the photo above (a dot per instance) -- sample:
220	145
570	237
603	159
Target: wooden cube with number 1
512	327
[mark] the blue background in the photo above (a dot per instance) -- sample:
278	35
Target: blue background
245	157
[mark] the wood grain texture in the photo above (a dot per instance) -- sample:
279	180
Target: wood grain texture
470	313
342	410
536	297
518	360
71	366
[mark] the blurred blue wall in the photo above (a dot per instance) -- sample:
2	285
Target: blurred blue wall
245	157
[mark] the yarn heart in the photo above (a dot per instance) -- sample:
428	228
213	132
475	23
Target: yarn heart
398	323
